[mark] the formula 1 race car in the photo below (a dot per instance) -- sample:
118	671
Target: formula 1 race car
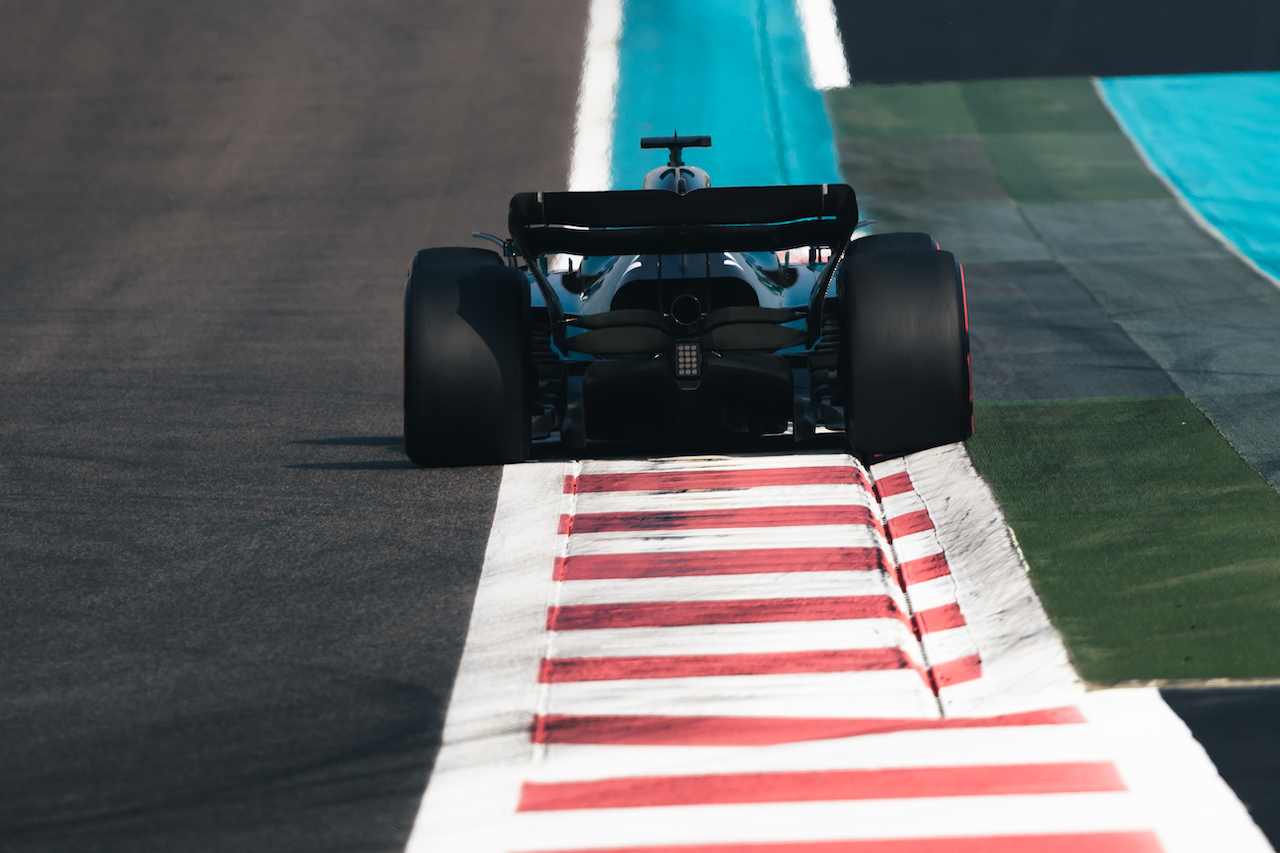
682	312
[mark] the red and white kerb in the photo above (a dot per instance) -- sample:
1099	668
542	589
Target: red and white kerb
779	655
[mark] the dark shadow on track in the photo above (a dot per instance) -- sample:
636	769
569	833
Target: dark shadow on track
356	441
985	39
392	445
1238	728
377	465
552	449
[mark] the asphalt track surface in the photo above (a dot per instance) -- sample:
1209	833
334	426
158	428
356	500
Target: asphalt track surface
232	610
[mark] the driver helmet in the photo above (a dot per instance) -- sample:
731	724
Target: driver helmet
679	179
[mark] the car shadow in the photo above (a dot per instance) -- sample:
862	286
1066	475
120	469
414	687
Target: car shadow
377	465
551	450
355	441
390	444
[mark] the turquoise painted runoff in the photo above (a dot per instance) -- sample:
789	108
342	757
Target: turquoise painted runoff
1214	137
735	69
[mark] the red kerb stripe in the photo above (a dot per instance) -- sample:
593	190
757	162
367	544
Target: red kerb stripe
938	619
956	671
908	523
811	786
557	670
665	614
748	561
894	484
1081	842
767	516
657	730
673	481
925	569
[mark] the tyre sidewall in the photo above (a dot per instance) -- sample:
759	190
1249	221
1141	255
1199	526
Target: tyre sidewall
905	356
466	365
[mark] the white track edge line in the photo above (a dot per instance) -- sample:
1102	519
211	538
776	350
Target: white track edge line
828	68
475	785
592	158
1196	216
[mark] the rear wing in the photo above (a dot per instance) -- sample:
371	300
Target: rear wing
660	222
650	222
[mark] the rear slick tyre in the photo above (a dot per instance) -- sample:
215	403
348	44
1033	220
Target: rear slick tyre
893	241
905	355
445	255
466	365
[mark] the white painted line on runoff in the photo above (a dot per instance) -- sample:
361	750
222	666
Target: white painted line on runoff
1170	774
485	748
1196	216
592	158
828	68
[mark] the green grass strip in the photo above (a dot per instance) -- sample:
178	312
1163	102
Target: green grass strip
1036	105
922	111
1075	166
1050	139
1047	139
1154	547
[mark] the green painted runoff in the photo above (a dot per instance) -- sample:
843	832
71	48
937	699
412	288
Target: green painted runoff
899	112
1036	105
1154	547
1047	139
1153	544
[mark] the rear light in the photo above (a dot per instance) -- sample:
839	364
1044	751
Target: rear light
688	359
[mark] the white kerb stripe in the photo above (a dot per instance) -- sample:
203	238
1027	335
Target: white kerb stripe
917	546
725	539
883	693
952	644
902	504
828	68
592	157
829	494
729	587
938	592
741	639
